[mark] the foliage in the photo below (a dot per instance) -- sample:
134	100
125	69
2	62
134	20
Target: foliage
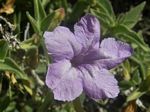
23	68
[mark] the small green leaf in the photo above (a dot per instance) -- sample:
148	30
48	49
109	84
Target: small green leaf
108	7
3	49
28	89
127	65
126	73
34	40
10	65
135	95
78	10
132	17
52	20
33	23
27	43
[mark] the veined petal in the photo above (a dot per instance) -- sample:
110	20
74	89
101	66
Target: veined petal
64	81
61	44
98	83
87	31
112	53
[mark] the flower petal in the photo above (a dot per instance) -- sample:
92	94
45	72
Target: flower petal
98	83
64	81
112	53
87	31
61	44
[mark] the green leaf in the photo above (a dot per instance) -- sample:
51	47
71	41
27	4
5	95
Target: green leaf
136	79
145	86
52	20
4	102
124	85
133	41
103	17
3	49
126	73
131	36
135	95
39	10
132	17
78	10
11	107
45	2
17	22
34	40
33	22
41	69
107	6
10	65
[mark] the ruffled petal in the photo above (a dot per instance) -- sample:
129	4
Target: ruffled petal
61	44
87	31
112	53
98	83
64	81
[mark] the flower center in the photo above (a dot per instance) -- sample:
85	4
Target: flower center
76	61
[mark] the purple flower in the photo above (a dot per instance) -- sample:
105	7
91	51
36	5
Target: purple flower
81	62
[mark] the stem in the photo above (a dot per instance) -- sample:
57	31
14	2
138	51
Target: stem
37	78
77	105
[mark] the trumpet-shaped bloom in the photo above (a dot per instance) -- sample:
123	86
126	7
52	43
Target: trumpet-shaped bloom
81	62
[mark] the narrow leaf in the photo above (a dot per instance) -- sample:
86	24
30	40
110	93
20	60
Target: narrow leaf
3	49
33	22
133	16
39	10
10	65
